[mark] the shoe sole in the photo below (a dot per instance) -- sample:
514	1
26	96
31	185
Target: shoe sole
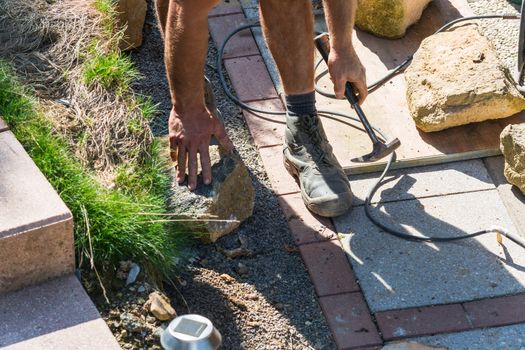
328	209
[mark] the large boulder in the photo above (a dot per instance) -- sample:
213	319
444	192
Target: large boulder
131	15
513	148
456	78
388	18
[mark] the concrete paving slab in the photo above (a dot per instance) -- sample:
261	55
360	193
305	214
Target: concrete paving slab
508	338
396	273
511	196
428	181
26	197
54	315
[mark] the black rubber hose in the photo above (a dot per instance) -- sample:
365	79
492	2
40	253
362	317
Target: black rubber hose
377	184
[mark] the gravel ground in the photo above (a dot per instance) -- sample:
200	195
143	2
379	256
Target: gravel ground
503	33
265	301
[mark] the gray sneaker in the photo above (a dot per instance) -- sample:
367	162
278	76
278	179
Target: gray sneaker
308	156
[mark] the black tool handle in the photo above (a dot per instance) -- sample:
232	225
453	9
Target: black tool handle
322	42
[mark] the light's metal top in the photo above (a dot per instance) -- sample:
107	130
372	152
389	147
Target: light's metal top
190	332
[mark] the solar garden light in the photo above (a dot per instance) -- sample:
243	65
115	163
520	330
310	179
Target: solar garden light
190	332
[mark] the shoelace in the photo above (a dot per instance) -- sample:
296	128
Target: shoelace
312	129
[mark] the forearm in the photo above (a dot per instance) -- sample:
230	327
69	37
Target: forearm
340	18
186	43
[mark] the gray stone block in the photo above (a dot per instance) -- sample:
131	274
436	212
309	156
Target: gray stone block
508	338
36	227
396	273
428	181
55	315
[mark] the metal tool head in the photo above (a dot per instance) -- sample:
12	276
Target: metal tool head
379	151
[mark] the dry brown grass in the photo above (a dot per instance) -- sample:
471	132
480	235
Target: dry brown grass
48	45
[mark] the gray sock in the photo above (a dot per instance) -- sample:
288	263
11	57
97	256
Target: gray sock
303	104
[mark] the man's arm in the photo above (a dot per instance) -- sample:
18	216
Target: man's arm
191	125
343	63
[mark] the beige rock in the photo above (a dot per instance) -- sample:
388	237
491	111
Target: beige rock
217	209
513	148
160	307
456	78
388	18
409	345
131	15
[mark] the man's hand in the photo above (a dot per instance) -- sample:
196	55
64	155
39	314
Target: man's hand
190	133
346	66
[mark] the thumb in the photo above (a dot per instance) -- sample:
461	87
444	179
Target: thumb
222	137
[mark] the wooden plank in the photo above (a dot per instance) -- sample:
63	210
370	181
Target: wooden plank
387	106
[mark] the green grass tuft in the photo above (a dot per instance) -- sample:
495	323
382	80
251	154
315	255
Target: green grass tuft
119	221
109	15
111	70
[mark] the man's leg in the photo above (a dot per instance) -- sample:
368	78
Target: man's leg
162	8
288	29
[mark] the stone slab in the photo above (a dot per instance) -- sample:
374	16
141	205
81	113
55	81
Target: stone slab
26	197
33	256
36	228
54	315
512	197
508	338
420	182
397	274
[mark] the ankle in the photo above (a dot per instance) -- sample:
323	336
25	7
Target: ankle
302	104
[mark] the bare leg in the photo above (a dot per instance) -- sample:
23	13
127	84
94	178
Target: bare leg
162	8
288	30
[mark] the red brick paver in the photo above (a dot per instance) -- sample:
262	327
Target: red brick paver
306	227
350	321
242	44
282	182
250	78
329	268
266	129
500	311
428	320
344	307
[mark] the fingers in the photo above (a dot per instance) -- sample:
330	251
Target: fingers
339	88
192	168
173	149
205	164
181	163
362	90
